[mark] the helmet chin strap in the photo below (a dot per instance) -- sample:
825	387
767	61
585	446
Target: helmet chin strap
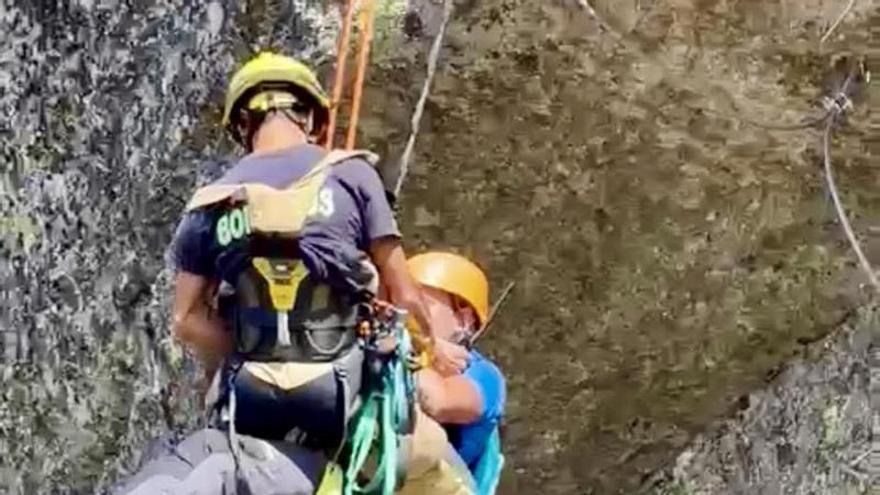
251	125
466	325
461	336
270	101
307	125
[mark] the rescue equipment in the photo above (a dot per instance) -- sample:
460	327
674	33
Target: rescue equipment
386	414
296	341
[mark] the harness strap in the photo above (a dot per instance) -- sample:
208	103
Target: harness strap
289	220
385	416
235	448
341	375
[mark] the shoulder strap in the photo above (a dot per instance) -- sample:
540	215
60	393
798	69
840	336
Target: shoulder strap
211	194
278	210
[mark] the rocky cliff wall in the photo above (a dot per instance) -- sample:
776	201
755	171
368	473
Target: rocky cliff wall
814	430
669	255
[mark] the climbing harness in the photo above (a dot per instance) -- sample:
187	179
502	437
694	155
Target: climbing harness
231	432
387	412
367	14
296	337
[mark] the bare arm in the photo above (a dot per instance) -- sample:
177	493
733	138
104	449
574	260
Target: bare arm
389	258
195	324
451	400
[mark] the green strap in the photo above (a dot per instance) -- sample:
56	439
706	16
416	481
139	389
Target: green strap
383	414
362	440
374	415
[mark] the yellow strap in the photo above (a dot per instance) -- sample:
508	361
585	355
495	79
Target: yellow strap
331	482
425	353
283	278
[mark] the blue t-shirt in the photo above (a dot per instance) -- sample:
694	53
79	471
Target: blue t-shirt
470	440
352	211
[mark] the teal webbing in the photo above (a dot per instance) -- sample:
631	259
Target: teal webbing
385	412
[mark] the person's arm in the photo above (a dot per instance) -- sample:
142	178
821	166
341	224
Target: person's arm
383	241
195	322
452	400
479	392
388	256
403	291
386	252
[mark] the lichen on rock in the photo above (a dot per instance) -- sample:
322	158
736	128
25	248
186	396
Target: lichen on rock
809	432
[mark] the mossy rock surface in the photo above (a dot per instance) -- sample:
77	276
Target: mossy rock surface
668	255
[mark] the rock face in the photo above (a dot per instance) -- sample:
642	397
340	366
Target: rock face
668	253
111	116
813	431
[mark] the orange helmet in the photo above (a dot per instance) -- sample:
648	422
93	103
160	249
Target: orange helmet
456	275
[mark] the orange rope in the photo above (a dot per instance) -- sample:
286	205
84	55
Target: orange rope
341	55
366	23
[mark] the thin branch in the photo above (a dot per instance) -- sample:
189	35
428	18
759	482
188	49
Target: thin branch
858	475
403	163
858	460
585	5
839	19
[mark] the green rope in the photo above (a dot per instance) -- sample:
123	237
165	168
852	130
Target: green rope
384	414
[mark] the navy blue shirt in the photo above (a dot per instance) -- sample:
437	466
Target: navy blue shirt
352	210
470	440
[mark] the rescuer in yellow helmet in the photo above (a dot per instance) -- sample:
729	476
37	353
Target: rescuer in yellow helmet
291	225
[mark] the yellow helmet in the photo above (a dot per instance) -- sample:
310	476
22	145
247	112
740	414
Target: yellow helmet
456	275
271	69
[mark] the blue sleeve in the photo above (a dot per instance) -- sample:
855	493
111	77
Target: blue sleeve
372	201
377	213
490	383
190	249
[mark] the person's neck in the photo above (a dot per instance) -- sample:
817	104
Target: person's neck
277	134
